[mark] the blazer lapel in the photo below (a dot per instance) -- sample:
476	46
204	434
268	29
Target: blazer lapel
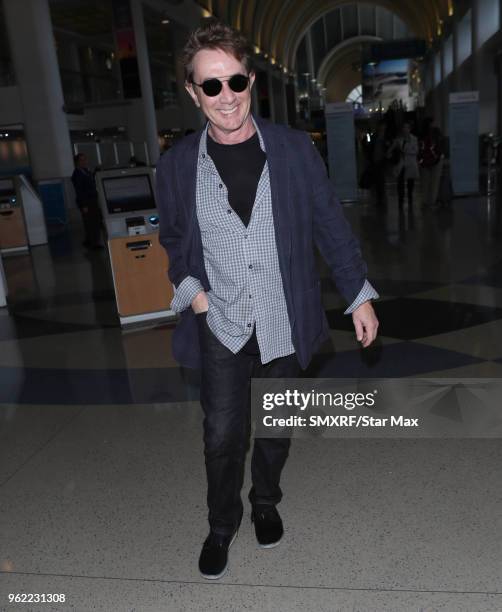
278	168
187	180
187	177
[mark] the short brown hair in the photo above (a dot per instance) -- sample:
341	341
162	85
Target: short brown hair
214	34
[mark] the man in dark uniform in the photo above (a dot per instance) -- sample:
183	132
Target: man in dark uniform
87	201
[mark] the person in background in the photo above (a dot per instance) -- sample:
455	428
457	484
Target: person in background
430	158
403	153
87	201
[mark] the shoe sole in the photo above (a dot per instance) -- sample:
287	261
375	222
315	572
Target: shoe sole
273	545
222	573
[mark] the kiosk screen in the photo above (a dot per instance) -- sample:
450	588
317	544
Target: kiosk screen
125	194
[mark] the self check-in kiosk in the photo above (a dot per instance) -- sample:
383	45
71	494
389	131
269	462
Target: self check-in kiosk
139	263
13	237
22	222
3	285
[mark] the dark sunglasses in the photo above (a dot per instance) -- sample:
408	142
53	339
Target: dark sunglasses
212	87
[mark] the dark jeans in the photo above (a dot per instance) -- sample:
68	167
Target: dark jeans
92	220
410	184
225	399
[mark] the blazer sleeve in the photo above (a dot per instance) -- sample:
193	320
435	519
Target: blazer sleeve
171	227
332	233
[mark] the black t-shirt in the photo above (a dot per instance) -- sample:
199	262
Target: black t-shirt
239	166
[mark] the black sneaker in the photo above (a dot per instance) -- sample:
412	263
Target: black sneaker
267	525
213	560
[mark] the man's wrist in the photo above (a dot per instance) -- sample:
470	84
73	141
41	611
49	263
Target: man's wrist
185	293
200	303
366	294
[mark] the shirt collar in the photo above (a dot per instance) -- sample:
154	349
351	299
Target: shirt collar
205	161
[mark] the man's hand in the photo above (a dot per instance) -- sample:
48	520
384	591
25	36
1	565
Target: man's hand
200	303
365	323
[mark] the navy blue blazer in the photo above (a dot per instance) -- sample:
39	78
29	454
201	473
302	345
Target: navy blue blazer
306	214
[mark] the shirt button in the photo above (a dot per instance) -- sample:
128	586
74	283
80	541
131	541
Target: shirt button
249	324
229	211
250	266
203	155
250	296
220	186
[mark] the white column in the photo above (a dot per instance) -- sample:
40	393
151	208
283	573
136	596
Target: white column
148	106
35	62
310	55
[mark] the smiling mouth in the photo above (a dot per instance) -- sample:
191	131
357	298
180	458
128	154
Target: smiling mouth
228	112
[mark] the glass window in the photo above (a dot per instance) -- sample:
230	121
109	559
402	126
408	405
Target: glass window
334	28
384	23
356	95
6	68
464	49
85	47
318	47
400	29
367	19
488	19
350	21
162	56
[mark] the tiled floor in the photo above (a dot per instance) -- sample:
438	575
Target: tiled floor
102	482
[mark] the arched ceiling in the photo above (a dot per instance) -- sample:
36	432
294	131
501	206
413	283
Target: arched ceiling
277	26
342	75
340	53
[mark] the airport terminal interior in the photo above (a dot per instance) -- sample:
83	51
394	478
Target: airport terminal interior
102	478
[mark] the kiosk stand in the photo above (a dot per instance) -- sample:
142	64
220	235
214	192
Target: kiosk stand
13	238
139	267
138	261
3	286
22	222
33	209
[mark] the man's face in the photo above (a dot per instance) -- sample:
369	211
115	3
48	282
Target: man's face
229	110
82	161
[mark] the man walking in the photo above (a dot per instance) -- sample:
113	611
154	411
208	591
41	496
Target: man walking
242	203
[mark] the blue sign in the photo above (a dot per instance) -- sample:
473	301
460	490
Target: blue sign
342	150
464	142
52	196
